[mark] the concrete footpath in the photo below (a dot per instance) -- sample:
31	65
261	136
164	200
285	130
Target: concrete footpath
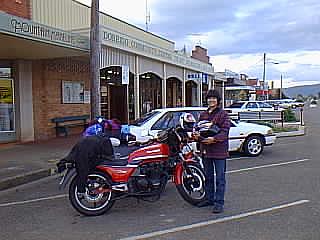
23	163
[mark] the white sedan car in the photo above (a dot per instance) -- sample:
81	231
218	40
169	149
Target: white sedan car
249	106
244	137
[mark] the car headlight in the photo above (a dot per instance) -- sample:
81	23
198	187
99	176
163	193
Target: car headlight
270	132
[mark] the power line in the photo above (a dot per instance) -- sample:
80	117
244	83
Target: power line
252	65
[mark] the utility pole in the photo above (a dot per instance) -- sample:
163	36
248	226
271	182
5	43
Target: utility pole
94	60
147	16
281	86
264	73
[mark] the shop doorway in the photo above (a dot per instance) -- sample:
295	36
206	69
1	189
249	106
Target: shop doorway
174	92
192	94
115	101
118	111
150	92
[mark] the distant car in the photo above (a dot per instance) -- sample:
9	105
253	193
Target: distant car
287	103
243	137
298	103
313	104
248	106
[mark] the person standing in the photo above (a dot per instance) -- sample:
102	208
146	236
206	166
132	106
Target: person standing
215	151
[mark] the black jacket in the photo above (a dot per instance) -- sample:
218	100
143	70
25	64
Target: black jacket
87	154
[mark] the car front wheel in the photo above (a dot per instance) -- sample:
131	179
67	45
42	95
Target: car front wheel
253	146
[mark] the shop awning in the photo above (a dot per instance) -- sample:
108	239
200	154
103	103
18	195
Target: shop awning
12	47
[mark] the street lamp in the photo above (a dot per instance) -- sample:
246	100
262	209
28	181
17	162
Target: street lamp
264	75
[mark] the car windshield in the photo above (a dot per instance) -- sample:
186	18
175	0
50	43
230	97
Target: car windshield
146	117
236	105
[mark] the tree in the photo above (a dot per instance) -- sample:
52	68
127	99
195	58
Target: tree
299	96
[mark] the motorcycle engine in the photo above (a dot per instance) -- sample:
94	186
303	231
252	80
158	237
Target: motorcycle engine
148	178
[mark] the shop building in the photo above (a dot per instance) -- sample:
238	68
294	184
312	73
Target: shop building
44	68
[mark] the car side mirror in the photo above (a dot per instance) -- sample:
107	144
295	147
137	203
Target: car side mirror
144	132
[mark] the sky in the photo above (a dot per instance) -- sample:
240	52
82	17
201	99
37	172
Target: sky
237	33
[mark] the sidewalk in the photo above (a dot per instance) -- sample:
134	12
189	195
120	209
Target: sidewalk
22	163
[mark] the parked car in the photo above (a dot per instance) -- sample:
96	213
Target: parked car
298	103
286	103
313	103
243	137
248	106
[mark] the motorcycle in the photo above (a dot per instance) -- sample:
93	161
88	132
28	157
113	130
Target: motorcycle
143	174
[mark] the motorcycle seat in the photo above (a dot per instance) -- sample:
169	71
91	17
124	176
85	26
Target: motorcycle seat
116	162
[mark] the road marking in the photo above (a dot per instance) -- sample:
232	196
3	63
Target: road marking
211	222
232	171
267	166
33	200
238	158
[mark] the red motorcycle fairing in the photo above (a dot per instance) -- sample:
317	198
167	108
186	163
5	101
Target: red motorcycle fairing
179	170
151	153
117	174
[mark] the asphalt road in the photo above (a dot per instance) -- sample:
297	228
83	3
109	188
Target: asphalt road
274	196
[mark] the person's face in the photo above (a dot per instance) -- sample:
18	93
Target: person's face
212	102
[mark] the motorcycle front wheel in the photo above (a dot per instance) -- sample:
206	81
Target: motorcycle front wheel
96	200
192	188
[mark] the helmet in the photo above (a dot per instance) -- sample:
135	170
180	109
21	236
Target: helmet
207	129
187	121
94	129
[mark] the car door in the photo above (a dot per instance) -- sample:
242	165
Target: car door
236	137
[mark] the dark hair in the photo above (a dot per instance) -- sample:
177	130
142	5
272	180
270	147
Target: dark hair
212	93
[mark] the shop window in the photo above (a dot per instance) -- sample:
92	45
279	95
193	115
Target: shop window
7	117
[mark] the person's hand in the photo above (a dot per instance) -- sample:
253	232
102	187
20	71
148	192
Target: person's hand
195	135
209	140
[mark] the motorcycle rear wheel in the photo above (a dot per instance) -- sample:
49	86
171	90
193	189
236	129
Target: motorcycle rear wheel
91	203
192	188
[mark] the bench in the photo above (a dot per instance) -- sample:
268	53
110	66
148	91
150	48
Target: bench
64	123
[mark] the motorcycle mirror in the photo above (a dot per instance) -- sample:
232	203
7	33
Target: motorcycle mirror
115	142
100	120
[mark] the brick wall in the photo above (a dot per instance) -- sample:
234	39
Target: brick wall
200	53
47	93
20	8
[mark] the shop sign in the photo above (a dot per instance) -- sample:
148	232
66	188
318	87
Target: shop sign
204	78
198	77
24	27
125	74
115	39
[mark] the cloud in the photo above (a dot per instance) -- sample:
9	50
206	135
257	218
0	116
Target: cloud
297	68
246	26
237	32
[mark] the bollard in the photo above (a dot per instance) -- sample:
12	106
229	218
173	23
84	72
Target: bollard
301	116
